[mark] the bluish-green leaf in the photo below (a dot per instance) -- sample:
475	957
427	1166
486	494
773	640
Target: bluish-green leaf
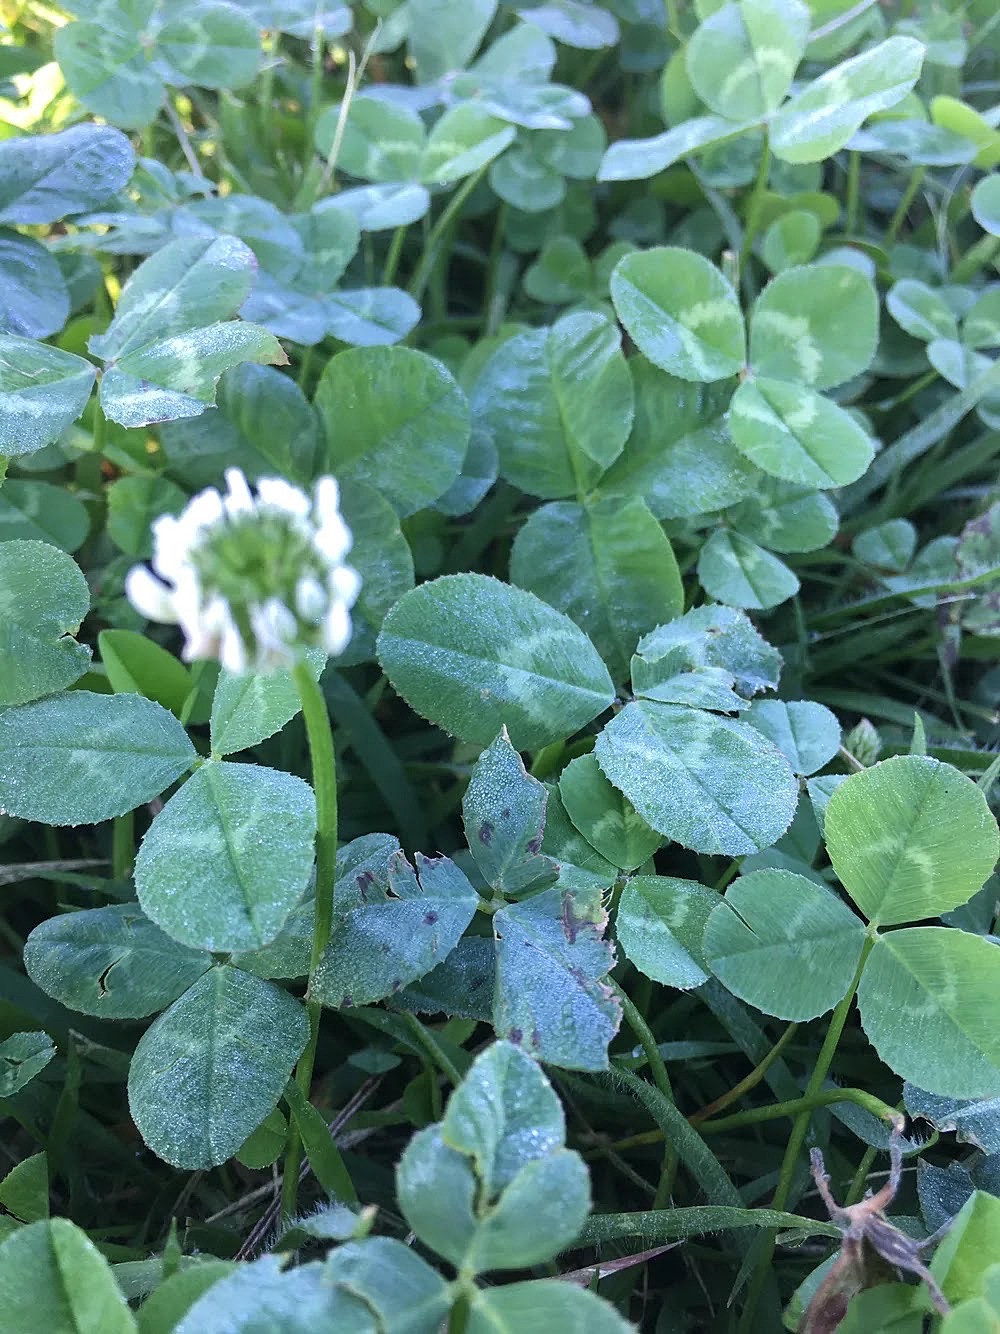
44	177
80	758
228	857
741	60
208	1071
604	816
391	924
738	572
111	961
926	998
558	404
52	1277
42	391
22	1057
396	419
681	312
793	433
660	924
784	944
504	815
711	783
608	565
806	733
474	655
43	599
551	998
816	324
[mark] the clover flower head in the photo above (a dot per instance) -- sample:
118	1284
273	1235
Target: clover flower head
252	580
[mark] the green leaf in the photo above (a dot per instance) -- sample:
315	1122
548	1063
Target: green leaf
986	204
525	183
80	758
396	419
511	1309
22	1057
266	1295
791	239
910	838
660	925
679	458
784	517
211	45
134	503
172	335
135	663
794	433
106	69
742	59
228	857
213	1065
504	1115
926	998
815	325
608	565
503	811
24	1191
111	962
638	159
734	570
42	391
820	119
550	996
711	657
604	816
391	924
320	1146
444	37
807	734
43	599
381	141
164	1308
473	654
370	316
52	1277
249	708
40	512
400	1288
784	944
381	555
921	311
965	1263
558	405
567	845
711	783
890	545
263	424
463	141
681	313
34	300
43	177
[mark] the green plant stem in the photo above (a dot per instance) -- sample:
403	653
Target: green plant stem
903	207
491	310
324	775
755	208
853	203
644	1034
123	845
750	1082
798	1135
392	257
418	284
429	1043
975	259
658	1070
305	366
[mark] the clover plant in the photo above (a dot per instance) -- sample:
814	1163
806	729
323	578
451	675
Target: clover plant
499	605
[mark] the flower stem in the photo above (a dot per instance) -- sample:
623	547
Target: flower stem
123	845
797	1138
324	775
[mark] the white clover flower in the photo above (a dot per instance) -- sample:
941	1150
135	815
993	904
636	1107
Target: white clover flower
252	581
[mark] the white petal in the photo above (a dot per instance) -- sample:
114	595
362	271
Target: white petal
336	629
232	651
203	511
345	584
327	498
203	627
310	598
238	500
149	597
273	625
171	546
281	495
